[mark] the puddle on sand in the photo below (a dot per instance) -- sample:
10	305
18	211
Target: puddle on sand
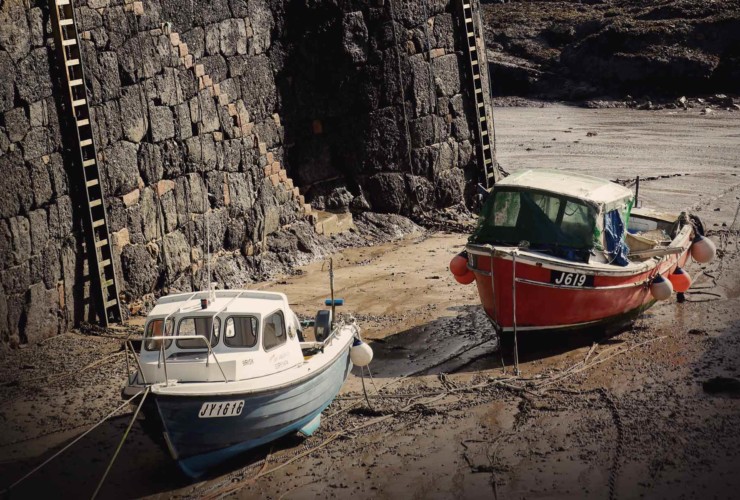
446	344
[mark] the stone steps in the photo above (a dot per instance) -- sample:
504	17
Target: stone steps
329	223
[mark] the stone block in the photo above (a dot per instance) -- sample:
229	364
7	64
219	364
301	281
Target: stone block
41	182
131	198
139	269
213	39
162	123
39	225
121	167
447	74
175	39
134	120
355	41
42	307
164	186
275	179
16	124
20	232
15	36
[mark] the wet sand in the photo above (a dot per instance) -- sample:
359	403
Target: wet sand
450	419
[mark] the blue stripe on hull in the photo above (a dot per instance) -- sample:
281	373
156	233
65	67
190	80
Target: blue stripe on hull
201	443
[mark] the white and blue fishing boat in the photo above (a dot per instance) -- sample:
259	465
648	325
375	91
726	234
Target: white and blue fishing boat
230	370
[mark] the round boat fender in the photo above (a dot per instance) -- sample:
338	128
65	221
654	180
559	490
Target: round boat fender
466	278
459	264
661	288
360	353
680	279
703	249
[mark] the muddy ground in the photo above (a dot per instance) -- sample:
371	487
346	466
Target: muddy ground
639	414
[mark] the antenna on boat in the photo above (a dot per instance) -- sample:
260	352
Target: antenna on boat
331	288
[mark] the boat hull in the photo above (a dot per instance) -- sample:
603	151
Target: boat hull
199	444
592	298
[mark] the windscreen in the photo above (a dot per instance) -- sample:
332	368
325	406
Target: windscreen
546	221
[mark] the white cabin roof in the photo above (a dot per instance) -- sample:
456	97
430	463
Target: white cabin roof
234	301
580	186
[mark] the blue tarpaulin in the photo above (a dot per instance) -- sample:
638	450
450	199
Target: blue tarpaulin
614	238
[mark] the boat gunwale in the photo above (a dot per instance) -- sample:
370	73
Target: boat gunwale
539	259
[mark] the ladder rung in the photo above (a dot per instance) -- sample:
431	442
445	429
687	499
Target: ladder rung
78	102
68	42
83	122
65	22
111	303
484	133
478	91
486	146
62	2
92	183
481	104
104	263
487	161
101	243
468	19
474	62
107	283
89	162
466	6
98	223
471	35
85	142
73	62
95	203
476	77
74	83
482	119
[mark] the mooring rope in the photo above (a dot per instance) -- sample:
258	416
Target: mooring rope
120	445
77	439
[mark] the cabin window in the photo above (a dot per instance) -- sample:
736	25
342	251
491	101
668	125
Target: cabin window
241	331
273	333
206	326
549	222
154	329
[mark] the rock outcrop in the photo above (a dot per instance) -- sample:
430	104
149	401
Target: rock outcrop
576	49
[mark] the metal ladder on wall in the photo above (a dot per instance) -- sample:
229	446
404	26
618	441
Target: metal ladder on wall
484	123
68	46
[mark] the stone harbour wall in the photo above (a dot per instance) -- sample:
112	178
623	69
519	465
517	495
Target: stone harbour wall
225	111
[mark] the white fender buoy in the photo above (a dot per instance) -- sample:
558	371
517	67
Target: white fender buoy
360	353
703	249
661	288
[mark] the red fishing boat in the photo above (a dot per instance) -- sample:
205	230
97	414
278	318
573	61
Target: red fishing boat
557	251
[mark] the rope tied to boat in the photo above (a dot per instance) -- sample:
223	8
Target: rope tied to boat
75	441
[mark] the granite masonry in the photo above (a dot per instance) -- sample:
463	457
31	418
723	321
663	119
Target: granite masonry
241	113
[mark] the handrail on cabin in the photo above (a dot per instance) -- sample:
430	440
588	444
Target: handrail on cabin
188	337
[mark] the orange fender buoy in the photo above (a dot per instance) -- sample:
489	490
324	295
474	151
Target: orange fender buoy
459	265
680	279
466	278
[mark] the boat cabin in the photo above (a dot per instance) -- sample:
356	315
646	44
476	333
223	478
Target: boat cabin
572	216
217	336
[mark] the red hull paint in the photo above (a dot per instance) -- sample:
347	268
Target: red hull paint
542	307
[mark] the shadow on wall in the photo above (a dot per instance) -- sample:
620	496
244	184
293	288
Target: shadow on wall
366	124
329	86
